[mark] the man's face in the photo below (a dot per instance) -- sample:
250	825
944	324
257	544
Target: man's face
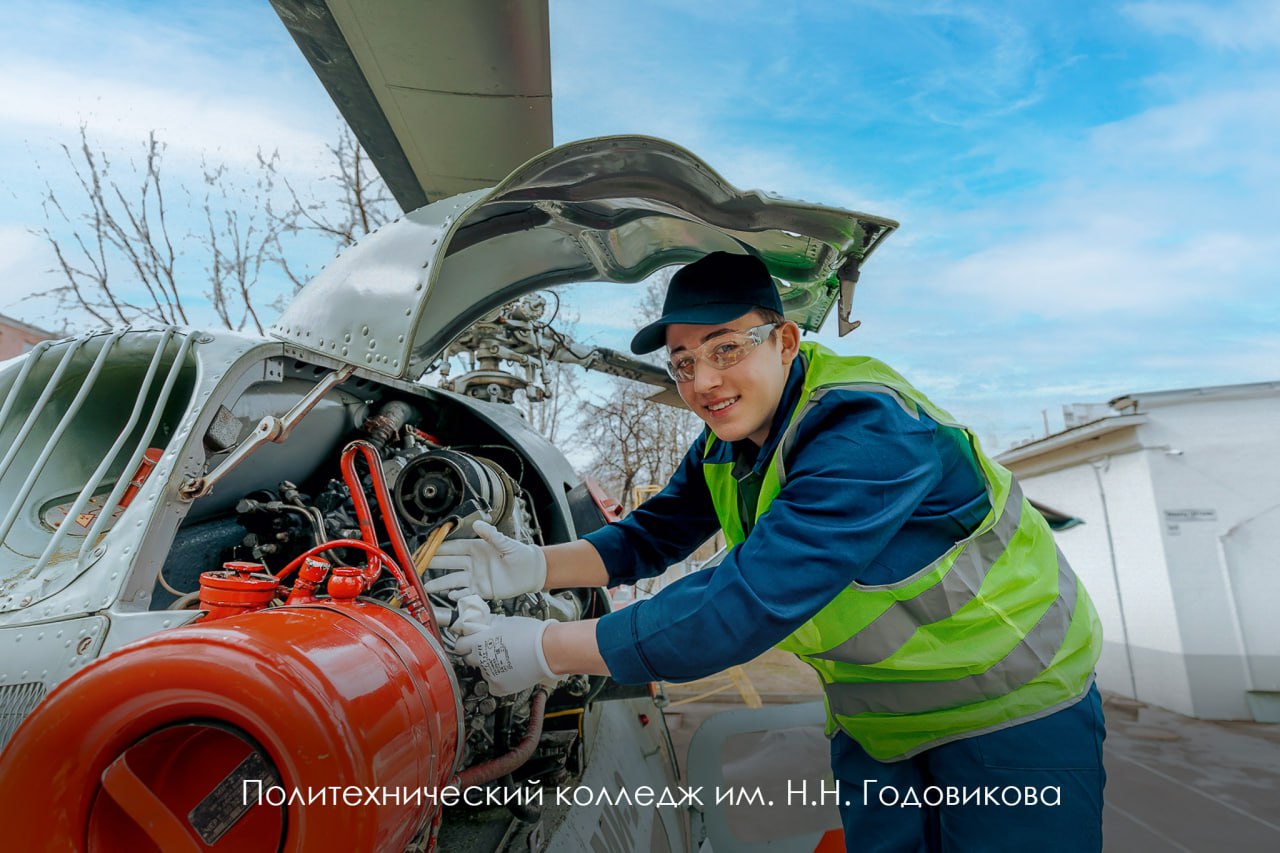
740	401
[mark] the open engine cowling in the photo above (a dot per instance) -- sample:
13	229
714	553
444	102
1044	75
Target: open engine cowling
182	741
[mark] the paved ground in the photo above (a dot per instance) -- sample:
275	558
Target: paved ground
1173	783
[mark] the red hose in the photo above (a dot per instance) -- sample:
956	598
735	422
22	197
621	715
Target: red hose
375	553
411	590
496	768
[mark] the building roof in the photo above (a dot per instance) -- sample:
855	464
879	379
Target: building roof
1136	401
24	327
1126	411
1068	437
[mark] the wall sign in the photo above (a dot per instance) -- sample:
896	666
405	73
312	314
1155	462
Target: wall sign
1175	518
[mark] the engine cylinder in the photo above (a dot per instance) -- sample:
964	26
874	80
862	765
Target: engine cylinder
165	744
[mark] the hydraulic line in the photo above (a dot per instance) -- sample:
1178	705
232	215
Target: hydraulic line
411	592
496	768
377	556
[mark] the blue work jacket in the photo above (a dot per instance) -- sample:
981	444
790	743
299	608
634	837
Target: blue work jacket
873	494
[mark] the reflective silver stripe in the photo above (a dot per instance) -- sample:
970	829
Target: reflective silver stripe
1029	658
789	435
891	629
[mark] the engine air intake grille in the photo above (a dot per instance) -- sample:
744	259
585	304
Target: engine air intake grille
16	701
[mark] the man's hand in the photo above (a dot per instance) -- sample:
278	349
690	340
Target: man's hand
506	649
495	565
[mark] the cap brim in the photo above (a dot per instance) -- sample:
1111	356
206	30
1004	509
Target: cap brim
654	336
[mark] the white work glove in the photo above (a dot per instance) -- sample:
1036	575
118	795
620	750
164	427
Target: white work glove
495	565
506	649
473	612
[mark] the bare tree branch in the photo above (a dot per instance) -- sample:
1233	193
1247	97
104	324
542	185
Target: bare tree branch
115	227
123	256
362	203
637	442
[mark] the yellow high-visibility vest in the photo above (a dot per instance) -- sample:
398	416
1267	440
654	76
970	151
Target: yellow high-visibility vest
996	631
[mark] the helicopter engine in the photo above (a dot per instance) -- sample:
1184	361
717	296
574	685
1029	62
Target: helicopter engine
315	704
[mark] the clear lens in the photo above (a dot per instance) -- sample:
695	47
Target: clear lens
721	352
681	370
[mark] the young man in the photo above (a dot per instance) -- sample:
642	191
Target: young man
873	538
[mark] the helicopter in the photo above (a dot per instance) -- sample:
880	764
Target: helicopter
212	552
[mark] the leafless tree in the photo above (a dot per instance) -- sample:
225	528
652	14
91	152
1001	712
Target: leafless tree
636	442
123	257
120	228
564	388
357	203
242	240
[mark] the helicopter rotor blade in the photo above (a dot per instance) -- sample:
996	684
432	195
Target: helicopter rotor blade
446	96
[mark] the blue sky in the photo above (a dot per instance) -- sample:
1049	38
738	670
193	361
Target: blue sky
1086	190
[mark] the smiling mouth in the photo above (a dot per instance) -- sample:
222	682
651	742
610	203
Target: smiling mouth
722	405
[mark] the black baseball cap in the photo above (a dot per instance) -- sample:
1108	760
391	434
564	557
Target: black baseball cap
716	288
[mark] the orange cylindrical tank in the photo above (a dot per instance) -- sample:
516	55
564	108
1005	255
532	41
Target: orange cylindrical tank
151	747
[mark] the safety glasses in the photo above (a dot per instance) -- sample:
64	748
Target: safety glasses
721	352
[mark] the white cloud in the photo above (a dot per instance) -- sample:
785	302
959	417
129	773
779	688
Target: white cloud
1226	130
991	65
25	261
48	100
1246	25
1038	261
1093	272
219	85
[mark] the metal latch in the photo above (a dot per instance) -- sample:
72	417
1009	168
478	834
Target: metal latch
270	428
848	275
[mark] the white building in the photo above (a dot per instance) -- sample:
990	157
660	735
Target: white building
1179	492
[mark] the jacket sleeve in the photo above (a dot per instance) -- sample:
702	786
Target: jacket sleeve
860	469
664	529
